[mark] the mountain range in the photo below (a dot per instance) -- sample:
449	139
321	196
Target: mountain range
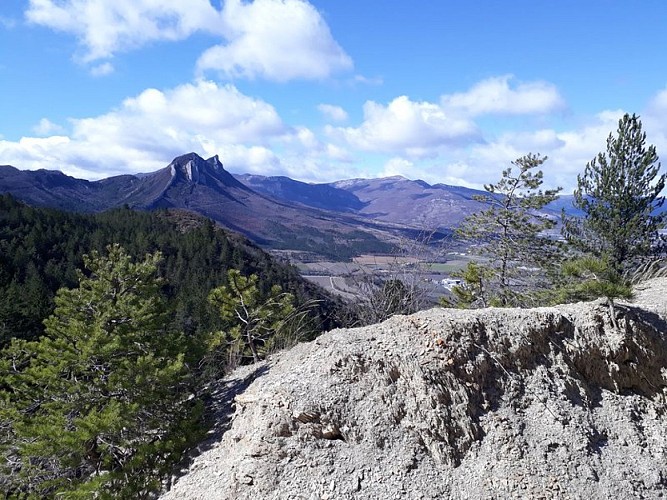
390	199
336	219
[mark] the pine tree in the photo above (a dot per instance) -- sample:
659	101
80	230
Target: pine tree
592	278
618	194
472	292
508	236
98	406
250	318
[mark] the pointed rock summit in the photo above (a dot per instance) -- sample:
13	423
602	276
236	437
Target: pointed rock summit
193	169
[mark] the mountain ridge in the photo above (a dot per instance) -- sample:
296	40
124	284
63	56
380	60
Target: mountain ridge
393	199
349	217
204	186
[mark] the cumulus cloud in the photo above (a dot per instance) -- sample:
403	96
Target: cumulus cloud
307	158
399	167
403	125
568	152
148	130
482	162
47	127
425	129
659	102
497	96
433	172
105	27
337	153
445	139
416	139
335	113
278	40
201	107
275	39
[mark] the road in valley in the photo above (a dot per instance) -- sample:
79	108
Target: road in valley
334	284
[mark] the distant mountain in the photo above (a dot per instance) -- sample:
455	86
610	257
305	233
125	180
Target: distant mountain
205	187
187	179
324	196
564	202
49	188
155	190
400	200
391	199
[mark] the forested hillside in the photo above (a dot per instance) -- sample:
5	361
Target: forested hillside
41	250
111	327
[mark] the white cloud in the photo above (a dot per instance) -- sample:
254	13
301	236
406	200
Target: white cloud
145	132
203	107
404	137
377	80
338	154
47	127
584	143
148	130
496	96
443	140
427	129
105	27
456	174
654	124
568	151
278	40
414	128
399	166
251	159
658	103
317	168
103	69
335	113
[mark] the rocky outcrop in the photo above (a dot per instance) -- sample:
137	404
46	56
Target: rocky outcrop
496	403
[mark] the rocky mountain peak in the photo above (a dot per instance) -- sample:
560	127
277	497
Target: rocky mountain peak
194	169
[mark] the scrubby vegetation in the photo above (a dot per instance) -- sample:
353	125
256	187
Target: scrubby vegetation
619	193
510	231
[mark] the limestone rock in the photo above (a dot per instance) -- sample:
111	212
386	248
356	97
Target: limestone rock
495	403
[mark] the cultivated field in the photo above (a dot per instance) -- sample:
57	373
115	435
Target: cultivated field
346	278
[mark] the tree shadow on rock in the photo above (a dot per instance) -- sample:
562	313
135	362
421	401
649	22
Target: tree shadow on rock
220	407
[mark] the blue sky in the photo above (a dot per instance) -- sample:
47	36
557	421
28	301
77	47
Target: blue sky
324	90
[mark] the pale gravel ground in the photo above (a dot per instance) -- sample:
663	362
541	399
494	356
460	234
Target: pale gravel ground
542	403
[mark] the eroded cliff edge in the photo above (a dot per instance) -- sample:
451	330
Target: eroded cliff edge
548	402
